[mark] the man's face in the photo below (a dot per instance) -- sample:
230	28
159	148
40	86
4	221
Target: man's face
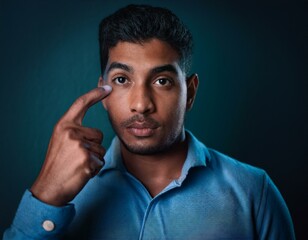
149	98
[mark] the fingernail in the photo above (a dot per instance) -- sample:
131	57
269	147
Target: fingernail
107	88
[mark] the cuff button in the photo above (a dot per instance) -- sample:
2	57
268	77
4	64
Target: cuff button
48	225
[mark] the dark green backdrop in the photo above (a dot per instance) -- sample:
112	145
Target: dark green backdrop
252	101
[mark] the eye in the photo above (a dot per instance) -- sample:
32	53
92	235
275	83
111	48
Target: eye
120	80
163	82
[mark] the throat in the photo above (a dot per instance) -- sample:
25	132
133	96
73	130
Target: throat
156	172
156	186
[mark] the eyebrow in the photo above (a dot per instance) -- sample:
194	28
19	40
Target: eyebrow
155	70
164	68
118	65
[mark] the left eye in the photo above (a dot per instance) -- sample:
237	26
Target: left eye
120	80
163	82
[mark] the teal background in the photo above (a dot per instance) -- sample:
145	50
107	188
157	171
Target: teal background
252	101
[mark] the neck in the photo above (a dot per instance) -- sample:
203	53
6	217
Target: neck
155	172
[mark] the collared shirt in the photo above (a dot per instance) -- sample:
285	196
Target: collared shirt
216	197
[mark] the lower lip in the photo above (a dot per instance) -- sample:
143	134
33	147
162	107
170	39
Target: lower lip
141	132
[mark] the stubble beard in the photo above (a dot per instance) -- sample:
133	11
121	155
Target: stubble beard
174	137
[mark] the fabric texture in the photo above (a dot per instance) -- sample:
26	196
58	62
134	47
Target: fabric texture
216	197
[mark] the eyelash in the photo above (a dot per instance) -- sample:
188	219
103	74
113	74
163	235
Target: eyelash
168	81
115	80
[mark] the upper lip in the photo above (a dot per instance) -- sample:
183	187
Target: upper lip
142	125
140	122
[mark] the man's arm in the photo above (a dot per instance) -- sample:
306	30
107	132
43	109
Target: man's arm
273	219
73	157
37	220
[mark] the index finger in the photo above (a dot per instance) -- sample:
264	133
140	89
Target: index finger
79	108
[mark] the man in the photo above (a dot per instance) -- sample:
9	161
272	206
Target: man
156	181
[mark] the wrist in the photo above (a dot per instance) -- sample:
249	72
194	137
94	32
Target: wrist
48	196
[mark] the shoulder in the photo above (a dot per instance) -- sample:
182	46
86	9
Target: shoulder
224	170
244	181
246	191
233	167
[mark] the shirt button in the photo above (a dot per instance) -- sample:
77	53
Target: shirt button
48	225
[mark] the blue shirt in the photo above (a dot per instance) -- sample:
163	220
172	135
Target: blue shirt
216	197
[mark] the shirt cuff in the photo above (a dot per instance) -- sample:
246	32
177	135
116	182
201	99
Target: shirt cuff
37	219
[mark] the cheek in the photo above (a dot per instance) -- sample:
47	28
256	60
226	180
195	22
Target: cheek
174	108
179	101
110	101
114	105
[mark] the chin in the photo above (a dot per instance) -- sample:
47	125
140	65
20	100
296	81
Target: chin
146	147
145	150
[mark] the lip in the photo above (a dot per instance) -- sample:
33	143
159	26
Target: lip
142	129
141	132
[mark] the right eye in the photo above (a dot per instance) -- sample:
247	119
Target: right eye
120	80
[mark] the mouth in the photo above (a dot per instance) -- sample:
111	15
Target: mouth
143	128
141	132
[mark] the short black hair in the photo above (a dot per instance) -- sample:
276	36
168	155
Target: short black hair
139	23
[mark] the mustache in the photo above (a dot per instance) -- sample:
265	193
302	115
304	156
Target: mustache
140	121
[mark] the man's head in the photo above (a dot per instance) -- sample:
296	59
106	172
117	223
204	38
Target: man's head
139	23
145	53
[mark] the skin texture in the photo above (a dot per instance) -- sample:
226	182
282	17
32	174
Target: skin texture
150	95
74	154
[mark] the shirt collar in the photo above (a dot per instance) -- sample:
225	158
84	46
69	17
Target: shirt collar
113	158
197	156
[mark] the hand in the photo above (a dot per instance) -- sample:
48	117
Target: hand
74	154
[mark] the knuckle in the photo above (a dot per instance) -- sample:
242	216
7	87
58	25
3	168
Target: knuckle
83	159
70	133
95	155
98	149
88	172
79	145
84	156
82	100
98	133
58	127
65	130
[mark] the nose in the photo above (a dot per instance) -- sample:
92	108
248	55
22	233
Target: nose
141	100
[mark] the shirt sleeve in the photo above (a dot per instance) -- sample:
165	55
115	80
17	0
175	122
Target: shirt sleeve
37	220
273	219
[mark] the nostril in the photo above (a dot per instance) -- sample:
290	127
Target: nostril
142	104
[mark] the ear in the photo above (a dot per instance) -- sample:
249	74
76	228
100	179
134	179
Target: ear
100	84
192	83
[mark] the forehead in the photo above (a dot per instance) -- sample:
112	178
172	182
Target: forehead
145	55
